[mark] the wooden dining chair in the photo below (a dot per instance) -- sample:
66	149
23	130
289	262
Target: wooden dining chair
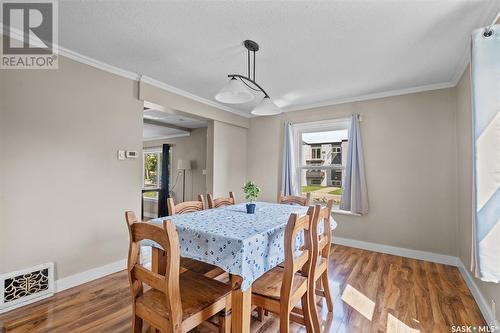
200	267
173	303
220	202
321	241
280	289
186	206
320	285
294	199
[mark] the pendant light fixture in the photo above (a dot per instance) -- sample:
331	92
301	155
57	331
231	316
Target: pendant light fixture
236	91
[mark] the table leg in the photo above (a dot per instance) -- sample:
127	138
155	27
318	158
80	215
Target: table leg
242	306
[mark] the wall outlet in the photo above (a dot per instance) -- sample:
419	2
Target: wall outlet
204	172
121	154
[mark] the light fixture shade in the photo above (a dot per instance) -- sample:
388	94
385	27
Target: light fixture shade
234	93
266	108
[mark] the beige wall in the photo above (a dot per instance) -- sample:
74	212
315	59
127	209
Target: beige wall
210	157
264	155
410	154
491	291
190	148
63	191
60	129
229	159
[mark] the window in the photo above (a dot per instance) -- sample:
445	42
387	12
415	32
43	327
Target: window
151	172
316	153
321	156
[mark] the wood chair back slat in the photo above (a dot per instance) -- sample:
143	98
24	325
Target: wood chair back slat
221	202
185	207
130	218
294	199
301	260
152	279
321	254
147	231
168	239
323	242
325	238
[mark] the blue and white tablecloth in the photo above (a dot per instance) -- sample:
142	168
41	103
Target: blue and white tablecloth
243	244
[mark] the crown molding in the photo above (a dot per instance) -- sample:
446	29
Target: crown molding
462	66
145	79
172	89
78	57
361	98
73	55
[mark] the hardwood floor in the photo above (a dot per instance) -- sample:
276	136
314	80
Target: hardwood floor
373	292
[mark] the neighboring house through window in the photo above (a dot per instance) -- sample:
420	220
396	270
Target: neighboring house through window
321	156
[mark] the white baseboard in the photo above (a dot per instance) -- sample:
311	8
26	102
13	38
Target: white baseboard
398	251
481	301
92	274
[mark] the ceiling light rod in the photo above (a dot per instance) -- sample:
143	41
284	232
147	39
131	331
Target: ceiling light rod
237	90
253	47
251	81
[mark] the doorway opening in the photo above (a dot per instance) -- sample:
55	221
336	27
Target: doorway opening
174	158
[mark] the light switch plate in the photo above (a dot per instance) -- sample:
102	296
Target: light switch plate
121	154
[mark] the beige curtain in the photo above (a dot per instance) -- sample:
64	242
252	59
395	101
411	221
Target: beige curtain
355	193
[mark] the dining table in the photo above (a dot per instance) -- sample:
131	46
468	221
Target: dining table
244	245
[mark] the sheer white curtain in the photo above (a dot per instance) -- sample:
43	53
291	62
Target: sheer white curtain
485	73
355	193
288	176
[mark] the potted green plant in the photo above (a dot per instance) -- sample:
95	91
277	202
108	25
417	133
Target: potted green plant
252	192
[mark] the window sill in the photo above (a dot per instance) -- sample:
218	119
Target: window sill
344	212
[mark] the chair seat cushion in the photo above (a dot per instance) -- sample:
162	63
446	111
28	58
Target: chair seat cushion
269	284
197	293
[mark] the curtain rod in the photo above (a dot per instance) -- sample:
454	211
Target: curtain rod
360	118
488	30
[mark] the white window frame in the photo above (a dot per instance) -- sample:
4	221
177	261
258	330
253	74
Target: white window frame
312	127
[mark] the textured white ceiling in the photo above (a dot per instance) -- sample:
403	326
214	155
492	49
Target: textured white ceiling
312	52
